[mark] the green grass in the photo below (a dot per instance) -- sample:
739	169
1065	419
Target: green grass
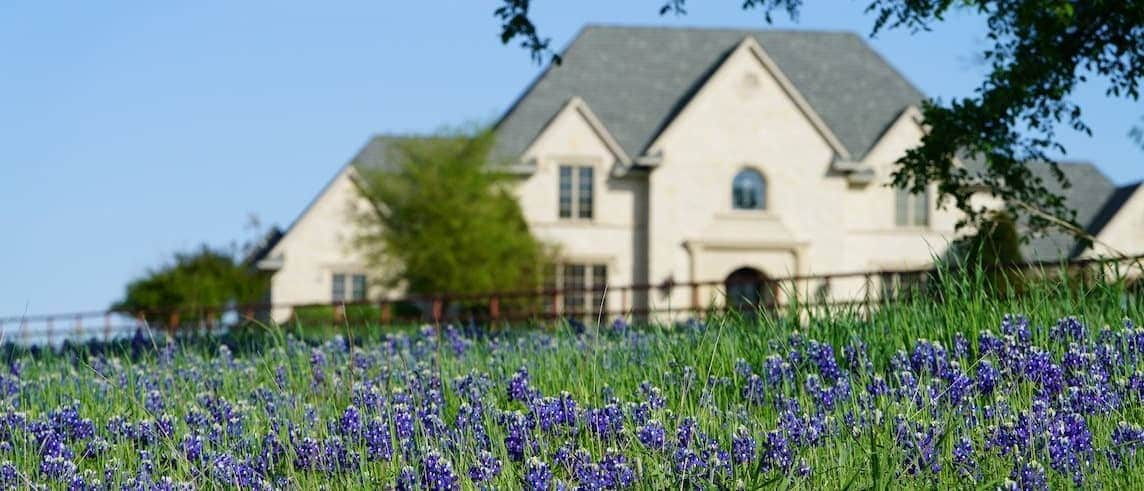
693	368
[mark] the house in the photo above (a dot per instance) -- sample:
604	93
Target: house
665	155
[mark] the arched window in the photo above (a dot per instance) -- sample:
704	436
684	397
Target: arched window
748	190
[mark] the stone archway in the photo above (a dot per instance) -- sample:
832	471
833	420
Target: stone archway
749	289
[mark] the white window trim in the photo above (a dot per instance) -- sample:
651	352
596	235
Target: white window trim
575	193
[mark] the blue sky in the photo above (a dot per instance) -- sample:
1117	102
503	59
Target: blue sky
130	130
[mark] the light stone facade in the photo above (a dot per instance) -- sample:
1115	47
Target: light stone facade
672	220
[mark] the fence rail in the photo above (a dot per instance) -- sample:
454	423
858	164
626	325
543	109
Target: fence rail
868	289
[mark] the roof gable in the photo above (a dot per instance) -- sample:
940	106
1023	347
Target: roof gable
637	80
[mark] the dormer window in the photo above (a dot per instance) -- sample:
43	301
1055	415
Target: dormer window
748	190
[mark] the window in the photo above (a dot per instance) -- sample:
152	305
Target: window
911	209
575	279
577	187
339	285
748	190
574	288
359	288
355	285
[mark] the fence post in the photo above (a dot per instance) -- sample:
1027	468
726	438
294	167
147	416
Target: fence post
555	304
106	326
24	330
78	327
869	286
51	327
386	313
494	308
438	306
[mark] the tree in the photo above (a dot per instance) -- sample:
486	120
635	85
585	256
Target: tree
995	250
194	285
443	220
1041	49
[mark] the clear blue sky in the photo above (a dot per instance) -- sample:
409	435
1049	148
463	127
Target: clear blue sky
130	130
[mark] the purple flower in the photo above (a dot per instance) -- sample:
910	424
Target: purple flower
486	468
987	377
350	422
437	473
518	388
1028	476
652	435
537	476
742	446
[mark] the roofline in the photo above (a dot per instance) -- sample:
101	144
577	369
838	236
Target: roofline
536	80
752	45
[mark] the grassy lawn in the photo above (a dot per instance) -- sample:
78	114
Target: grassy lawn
957	389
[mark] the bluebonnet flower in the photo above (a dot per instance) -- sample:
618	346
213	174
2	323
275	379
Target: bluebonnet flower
777	452
688	464
402	422
742	446
154	402
1028	476
437	473
486	468
987	377
776	369
537	476
652	434
963	459
377	440
652	395
616	473
753	390
350	422
960	346
803	468
685	432
406	479
518	388
823	356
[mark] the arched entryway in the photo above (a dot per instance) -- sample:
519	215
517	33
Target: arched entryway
748	290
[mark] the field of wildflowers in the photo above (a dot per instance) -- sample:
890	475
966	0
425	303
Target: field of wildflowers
1040	392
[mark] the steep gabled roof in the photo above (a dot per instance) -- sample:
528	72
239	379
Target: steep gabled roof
636	79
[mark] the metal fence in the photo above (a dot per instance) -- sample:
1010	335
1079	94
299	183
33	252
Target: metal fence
665	301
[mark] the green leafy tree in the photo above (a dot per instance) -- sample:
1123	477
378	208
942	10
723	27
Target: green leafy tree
443	220
1039	51
192	286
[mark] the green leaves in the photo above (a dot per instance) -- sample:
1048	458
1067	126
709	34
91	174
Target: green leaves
192	284
444	220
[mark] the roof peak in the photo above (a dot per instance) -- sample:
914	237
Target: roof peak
723	29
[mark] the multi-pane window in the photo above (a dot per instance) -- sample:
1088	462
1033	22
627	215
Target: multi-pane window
911	209
574	287
347	287
339	287
576	191
359	287
748	190
583	287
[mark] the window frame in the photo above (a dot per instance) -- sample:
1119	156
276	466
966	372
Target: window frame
580	296
572	204
356	280
912	210
762	190
338	287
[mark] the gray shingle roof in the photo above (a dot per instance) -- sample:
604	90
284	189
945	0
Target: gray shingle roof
1094	197
636	79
